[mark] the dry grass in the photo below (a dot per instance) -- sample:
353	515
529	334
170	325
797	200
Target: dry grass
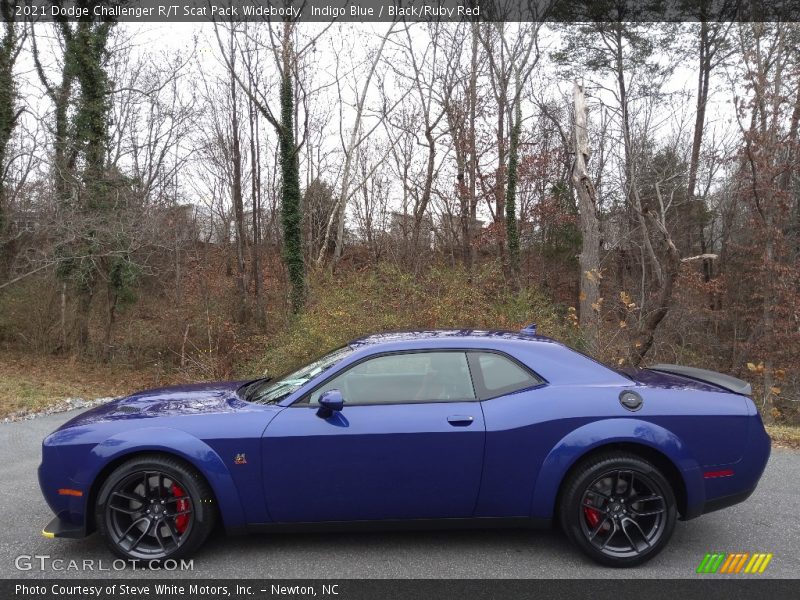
32	383
785	436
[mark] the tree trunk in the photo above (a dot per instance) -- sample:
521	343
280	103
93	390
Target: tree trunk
422	205
590	229
512	233
111	316
463	192
178	274
63	323
473	159
703	79
656	314
236	190
291	211
8	119
82	312
255	184
87	48
500	176
631	183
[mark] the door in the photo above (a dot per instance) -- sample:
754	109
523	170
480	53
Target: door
407	445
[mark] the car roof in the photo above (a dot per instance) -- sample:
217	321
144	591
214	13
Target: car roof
433	337
551	360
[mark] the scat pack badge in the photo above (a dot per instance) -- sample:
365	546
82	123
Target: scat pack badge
240	459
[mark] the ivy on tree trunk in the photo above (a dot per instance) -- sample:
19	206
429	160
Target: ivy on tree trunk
291	211
8	115
512	232
98	253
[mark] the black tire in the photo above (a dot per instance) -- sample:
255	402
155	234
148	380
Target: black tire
618	508
159	500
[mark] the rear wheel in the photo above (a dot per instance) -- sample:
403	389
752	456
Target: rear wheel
154	507
618	508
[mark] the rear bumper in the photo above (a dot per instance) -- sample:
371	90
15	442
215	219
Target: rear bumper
720	492
59	528
726	501
717	503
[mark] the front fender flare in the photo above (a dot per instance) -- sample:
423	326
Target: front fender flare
178	443
609	431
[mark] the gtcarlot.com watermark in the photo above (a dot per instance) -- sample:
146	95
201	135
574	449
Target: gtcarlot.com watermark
44	562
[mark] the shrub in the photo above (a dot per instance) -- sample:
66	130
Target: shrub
352	304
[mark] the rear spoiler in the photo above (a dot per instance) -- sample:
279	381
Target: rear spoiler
732	384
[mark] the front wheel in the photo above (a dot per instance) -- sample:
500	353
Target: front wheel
154	507
619	509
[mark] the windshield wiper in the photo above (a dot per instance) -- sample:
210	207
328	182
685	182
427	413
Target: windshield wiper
278	398
244	391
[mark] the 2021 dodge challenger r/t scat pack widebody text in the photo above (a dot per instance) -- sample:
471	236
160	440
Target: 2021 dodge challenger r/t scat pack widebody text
413	429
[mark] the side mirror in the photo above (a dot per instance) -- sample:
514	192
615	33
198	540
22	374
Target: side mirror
329	403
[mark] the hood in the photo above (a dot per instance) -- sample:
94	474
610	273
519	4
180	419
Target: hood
167	402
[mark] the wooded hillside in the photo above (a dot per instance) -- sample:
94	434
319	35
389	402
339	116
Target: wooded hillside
240	196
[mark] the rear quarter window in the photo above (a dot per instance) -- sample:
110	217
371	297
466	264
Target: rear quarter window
497	375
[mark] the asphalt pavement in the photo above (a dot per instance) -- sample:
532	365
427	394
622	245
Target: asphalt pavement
768	522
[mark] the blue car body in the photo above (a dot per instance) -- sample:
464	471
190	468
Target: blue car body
495	460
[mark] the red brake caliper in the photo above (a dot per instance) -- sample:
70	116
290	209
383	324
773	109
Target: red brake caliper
592	516
181	521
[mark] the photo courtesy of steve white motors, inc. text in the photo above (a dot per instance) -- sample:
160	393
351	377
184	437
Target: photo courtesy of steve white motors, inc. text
168	589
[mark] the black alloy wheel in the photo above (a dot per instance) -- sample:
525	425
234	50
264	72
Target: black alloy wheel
154	507
619	509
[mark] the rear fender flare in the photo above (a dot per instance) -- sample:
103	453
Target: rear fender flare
579	442
183	445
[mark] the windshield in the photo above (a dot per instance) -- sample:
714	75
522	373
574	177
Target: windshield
268	391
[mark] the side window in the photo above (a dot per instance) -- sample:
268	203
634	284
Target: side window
498	375
410	377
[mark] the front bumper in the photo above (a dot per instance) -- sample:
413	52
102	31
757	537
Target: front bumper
59	528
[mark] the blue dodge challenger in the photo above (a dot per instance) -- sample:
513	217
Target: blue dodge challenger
415	429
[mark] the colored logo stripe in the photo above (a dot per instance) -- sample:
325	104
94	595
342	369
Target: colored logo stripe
741	562
726	565
735	562
758	563
711	562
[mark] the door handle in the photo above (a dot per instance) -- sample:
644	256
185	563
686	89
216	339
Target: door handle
460	420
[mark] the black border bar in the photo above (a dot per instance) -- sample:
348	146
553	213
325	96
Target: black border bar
178	11
708	587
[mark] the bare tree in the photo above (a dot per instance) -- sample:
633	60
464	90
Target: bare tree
460	100
431	116
511	62
287	55
713	48
356	138
236	181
